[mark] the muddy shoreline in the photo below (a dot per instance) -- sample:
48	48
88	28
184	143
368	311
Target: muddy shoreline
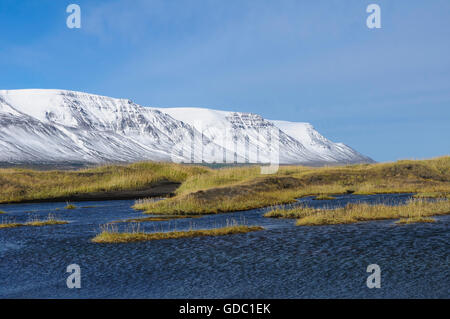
162	189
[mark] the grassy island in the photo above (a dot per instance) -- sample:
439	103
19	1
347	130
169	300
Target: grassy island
324	197
112	235
70	206
413	220
51	220
416	210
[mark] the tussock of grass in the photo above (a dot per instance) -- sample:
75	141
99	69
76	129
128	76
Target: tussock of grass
110	234
415	209
324	197
70	206
34	221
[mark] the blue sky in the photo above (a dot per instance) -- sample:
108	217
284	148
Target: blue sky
385	92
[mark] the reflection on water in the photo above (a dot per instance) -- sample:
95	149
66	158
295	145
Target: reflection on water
283	261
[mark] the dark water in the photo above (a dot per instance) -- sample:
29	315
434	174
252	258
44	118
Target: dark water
283	261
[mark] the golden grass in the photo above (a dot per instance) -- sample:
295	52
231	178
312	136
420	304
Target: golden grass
243	188
413	220
152	219
190	205
218	178
25	184
414	209
70	206
110	234
324	197
433	195
2	212
208	191
34	221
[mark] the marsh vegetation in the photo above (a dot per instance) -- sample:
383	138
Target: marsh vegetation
243	188
19	185
70	206
32	221
415	210
110	233
203	190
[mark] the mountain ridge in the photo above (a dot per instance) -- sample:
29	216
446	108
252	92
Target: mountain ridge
68	126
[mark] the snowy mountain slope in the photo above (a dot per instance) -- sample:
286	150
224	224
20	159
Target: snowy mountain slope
324	149
246	134
298	142
67	126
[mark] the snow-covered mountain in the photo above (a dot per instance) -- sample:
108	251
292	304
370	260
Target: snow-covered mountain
50	126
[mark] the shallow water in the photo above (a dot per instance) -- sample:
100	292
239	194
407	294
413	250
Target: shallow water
282	261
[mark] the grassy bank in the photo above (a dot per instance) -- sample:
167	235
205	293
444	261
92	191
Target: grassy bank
243	188
110	234
416	210
18	185
51	220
